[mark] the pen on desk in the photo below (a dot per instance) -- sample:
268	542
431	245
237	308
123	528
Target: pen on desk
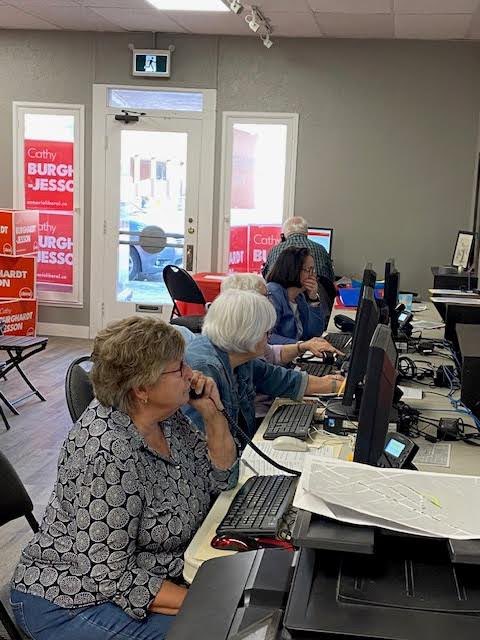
342	388
249	466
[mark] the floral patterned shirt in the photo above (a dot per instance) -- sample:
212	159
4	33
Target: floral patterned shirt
121	515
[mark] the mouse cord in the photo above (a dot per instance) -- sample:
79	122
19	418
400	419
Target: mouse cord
258	451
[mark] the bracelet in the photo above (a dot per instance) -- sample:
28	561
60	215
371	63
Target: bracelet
298	347
316	299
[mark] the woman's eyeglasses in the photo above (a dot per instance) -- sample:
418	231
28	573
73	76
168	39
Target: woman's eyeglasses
311	271
183	364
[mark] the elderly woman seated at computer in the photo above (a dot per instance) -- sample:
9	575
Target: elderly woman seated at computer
230	350
277	353
135	481
293	290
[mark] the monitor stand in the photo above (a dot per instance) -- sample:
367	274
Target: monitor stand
338	415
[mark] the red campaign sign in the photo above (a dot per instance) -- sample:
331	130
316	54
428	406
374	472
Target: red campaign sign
17	277
19	317
55	255
48	175
18	232
238	255
261	239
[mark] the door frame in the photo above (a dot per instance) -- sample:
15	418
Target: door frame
101	111
229	118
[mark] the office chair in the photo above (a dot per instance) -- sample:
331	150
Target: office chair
182	288
327	292
78	387
14	503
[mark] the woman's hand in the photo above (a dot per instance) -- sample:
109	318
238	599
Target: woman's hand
210	401
333	383
318	346
311	287
169	599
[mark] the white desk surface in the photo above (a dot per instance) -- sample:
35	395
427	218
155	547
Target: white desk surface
465	459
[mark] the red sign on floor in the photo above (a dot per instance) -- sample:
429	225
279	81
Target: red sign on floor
19	317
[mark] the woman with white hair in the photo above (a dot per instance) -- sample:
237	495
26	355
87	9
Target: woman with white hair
230	350
277	353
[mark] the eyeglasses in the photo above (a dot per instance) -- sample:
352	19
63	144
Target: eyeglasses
183	364
311	271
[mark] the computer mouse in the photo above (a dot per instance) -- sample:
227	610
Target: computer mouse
288	443
233	543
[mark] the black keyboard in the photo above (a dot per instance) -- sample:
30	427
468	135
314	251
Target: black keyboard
290	420
259	506
317	368
341	341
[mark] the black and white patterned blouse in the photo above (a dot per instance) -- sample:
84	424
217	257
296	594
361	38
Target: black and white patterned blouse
121	515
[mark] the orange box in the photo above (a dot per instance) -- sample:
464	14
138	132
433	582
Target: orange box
19	317
18	276
18	232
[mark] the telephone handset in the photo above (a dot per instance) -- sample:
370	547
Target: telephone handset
194	395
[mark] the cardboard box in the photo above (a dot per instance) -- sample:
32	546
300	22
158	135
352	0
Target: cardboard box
18	232
18	276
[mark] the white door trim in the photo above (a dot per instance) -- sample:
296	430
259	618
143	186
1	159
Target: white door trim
230	117
99	141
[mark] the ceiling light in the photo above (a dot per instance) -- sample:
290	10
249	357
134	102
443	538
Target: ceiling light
235	6
266	40
189	5
252	20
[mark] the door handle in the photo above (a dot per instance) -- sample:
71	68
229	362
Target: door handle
189	258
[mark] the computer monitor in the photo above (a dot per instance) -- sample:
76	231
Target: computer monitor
390	295
366	322
377	397
369	279
322	236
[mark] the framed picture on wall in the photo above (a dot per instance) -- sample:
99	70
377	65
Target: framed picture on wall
463	249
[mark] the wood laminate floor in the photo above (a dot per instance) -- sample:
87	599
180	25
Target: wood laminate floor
34	440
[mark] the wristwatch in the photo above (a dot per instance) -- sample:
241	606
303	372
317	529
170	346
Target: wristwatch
316	299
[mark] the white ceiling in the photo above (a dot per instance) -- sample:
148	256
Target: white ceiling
418	19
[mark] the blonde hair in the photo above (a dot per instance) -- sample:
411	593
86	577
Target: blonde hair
132	353
245	282
237	320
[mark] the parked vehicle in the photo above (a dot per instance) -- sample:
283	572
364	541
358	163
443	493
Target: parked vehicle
144	265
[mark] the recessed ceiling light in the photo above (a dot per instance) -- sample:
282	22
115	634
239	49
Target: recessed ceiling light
189	5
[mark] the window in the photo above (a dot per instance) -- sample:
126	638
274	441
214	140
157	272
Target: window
258	178
156	100
48	162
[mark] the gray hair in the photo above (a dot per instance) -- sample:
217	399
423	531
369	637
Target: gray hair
295	225
132	353
238	320
245	282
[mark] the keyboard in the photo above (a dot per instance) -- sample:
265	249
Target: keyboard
317	368
341	341
259	506
290	420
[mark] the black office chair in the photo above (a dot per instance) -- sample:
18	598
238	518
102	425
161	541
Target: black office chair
327	292
182	288
78	387
14	503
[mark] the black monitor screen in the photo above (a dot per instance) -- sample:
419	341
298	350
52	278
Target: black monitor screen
369	278
366	321
377	397
390	296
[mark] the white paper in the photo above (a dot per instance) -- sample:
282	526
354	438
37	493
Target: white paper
291	459
472	302
435	454
432	503
418	307
427	324
411	393
452	292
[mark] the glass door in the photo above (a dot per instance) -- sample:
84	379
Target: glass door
151	211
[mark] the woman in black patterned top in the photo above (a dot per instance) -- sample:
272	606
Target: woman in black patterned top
135	481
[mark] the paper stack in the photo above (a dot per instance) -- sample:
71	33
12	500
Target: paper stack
414	502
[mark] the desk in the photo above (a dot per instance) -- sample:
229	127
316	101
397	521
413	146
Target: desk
209	284
465	459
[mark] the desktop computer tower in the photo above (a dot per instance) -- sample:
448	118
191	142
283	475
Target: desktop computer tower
469	347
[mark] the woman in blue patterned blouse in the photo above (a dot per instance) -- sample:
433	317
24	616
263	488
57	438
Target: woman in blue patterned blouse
135	481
